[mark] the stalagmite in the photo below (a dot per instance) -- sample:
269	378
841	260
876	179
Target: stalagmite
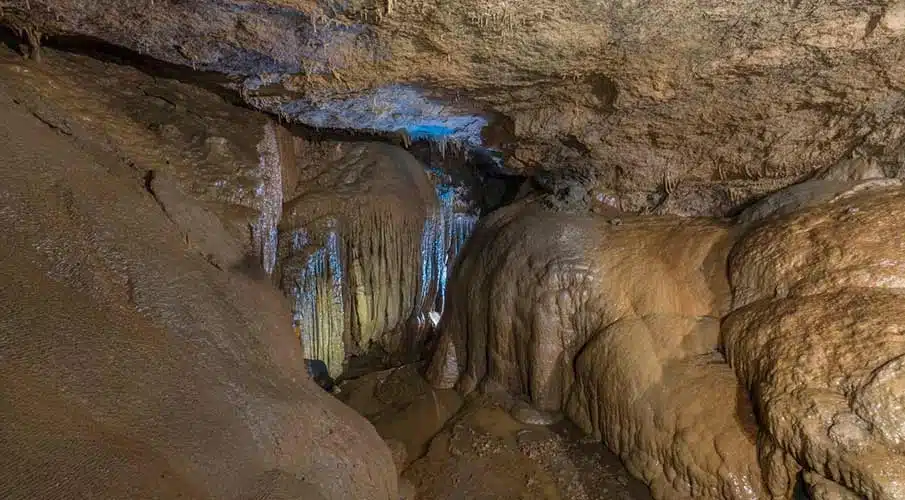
615	325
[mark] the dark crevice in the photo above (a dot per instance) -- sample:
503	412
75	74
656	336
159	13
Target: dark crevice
148	181
149	187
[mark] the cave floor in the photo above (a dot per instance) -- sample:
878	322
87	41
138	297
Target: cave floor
448	447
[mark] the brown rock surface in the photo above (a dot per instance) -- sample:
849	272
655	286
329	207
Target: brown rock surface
854	242
670	407
213	167
704	105
825	371
533	286
225	175
132	368
617	325
817	339
403	407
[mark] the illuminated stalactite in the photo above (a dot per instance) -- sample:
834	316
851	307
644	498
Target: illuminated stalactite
365	247
384	258
318	308
455	228
459	229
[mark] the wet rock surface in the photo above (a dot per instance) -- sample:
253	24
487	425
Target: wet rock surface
816	338
247	194
213	167
447	447
534	285
139	208
854	242
615	325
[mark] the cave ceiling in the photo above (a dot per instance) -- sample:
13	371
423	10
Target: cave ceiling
694	108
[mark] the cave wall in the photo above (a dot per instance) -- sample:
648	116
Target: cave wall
816	336
214	167
247	193
135	367
788	373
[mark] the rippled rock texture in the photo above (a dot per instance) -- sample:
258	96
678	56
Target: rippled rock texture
685	107
817	338
132	366
614	321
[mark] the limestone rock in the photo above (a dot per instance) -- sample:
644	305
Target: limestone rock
214	167
132	368
855	241
355	249
810	193
476	456
403	407
821	489
741	95
202	227
483	453
407	490
614	325
670	407
400	453
817	338
823	369
533	286
527	414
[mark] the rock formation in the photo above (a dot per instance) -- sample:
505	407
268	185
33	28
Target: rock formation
362	214
214	168
365	242
132	367
614	321
693	108
149	217
225	175
816	336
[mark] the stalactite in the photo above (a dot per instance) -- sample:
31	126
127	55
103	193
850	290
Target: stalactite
271	191
395	236
316	286
384	246
455	229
